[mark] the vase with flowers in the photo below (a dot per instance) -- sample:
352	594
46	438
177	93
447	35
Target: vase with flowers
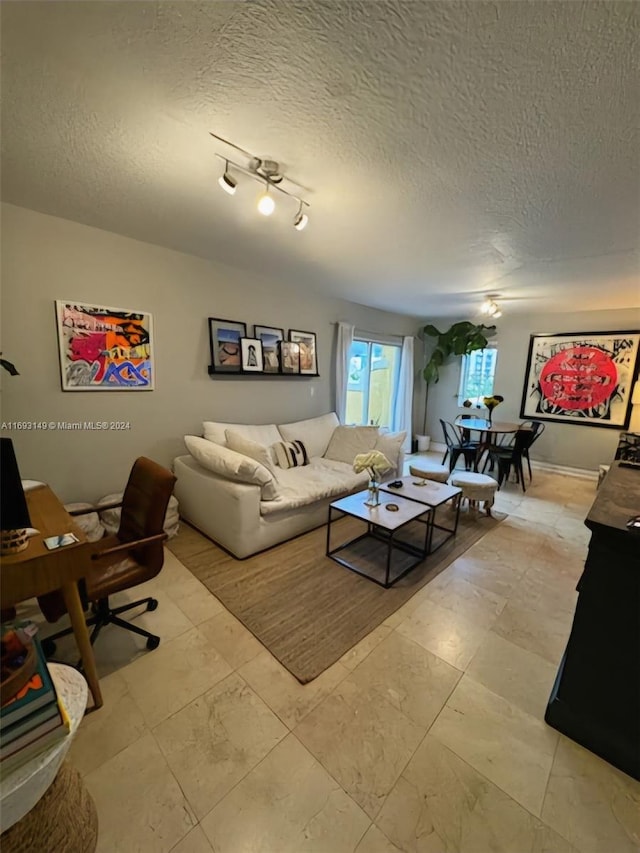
490	403
375	464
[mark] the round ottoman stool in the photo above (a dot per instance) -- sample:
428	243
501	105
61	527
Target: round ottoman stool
430	471
64	820
475	488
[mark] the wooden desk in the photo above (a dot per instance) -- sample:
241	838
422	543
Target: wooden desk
36	571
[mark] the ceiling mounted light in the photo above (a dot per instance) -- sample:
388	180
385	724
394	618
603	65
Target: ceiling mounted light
268	173
491	307
266	205
227	181
300	220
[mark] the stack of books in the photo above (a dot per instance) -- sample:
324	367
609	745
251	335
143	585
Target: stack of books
33	720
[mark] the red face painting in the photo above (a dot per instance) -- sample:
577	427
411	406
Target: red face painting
579	378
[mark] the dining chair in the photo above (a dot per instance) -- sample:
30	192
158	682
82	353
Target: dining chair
457	446
537	428
506	457
132	556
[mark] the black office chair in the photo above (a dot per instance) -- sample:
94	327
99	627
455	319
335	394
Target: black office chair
457	446
537	428
506	457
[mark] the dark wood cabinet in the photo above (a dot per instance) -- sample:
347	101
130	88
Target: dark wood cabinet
596	696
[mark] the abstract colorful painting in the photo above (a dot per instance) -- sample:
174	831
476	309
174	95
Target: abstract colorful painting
581	378
104	349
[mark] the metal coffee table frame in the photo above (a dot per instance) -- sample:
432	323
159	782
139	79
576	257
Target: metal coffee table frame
384	535
433	504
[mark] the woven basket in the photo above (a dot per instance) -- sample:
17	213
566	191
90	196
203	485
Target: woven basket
64	820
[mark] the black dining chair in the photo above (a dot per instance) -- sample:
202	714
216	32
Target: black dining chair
505	457
537	428
457	446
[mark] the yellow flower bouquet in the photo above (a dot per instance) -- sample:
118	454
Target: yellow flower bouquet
491	402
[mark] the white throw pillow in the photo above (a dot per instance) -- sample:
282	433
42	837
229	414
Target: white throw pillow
234	466
256	451
264	434
315	433
290	454
347	441
391	444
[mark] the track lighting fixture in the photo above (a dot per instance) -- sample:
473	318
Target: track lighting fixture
266	204
268	173
227	181
300	220
491	307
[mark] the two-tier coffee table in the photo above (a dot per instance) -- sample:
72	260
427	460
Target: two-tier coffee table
433	495
363	554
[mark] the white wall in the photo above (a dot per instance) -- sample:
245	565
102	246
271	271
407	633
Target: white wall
45	258
561	444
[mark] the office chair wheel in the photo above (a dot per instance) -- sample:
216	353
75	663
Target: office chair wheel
152	605
153	643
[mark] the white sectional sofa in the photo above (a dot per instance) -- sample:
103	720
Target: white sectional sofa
231	487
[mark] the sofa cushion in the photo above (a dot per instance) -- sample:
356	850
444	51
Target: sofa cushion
391	444
231	465
320	479
347	441
264	434
262	454
315	433
290	454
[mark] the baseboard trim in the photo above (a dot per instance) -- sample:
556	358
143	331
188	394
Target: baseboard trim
581	473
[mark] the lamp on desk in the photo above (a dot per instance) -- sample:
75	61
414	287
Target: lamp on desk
14	515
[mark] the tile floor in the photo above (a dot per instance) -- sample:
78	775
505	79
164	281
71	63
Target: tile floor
427	737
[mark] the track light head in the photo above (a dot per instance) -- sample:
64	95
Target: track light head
300	220
266	204
227	181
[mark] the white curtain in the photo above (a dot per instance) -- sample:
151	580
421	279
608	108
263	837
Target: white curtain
343	348
403	409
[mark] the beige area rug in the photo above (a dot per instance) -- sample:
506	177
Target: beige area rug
305	608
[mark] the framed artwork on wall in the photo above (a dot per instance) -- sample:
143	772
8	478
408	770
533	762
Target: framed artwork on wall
251	355
270	337
289	357
104	349
583	378
224	341
308	355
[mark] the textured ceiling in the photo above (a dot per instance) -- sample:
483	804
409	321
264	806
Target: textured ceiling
450	148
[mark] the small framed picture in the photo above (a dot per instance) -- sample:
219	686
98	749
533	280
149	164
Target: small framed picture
289	357
224	340
270	338
251	355
308	356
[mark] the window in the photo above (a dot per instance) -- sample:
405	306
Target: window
477	375
374	369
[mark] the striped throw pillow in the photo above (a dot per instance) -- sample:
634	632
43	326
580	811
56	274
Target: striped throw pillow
290	454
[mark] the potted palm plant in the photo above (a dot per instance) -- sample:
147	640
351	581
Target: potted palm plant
461	339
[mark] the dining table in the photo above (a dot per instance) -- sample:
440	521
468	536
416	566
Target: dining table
491	432
483	425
